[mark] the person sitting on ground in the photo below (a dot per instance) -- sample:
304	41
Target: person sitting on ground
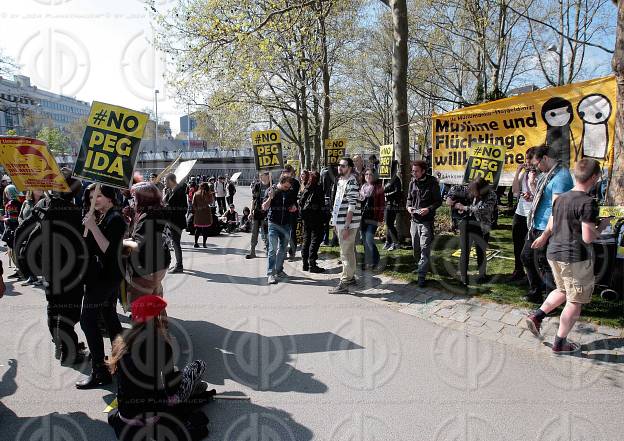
571	229
245	222
151	394
230	218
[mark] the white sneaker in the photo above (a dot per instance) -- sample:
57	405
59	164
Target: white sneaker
272	280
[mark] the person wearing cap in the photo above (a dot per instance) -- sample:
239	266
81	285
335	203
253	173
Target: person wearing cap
176	201
106	229
150	392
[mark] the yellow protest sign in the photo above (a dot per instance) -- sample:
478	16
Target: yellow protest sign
489	254
267	145
30	165
386	155
335	150
575	120
110	145
485	161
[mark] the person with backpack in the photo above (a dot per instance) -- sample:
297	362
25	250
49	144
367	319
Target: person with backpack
313	212
54	228
259	225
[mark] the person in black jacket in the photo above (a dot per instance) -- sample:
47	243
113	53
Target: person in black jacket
106	229
313	212
282	207
393	191
149	255
152	395
423	200
258	215
176	201
52	245
289	171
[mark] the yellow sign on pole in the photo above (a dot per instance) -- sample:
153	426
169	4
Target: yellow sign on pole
30	165
267	145
335	149
487	162
386	155
110	145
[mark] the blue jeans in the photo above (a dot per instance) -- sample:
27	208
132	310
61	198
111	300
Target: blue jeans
279	236
371	254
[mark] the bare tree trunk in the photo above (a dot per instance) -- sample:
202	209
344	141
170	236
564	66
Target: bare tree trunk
305	161
317	127
399	94
615	193
325	74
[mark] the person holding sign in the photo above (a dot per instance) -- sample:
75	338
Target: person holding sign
571	229
106	229
553	181
476	226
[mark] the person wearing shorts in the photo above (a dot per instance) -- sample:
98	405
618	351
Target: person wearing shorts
572	227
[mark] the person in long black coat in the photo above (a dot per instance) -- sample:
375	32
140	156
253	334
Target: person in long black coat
176	201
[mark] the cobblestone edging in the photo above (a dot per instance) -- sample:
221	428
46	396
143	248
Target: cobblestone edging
505	324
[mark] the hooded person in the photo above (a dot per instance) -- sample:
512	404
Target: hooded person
152	395
51	243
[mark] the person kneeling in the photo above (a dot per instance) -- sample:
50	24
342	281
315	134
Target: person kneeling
152	396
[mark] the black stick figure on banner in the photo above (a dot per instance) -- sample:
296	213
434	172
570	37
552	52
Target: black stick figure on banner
595	111
557	113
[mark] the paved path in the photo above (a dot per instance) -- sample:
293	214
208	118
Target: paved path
322	367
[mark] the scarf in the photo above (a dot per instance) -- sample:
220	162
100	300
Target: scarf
541	186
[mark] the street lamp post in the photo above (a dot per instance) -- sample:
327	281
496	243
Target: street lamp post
188	126
156	116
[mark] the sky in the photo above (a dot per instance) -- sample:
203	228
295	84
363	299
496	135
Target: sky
99	50
94	50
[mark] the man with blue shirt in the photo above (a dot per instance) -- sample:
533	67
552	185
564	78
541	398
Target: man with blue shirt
553	181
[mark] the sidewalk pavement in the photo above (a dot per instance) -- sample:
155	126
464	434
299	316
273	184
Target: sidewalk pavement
601	346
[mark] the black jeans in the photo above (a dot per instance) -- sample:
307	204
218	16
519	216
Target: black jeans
312	237
519	230
470	233
259	227
100	301
221	204
292	246
536	266
229	199
201	231
63	314
390	214
176	237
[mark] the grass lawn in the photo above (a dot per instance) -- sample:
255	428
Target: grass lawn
400	264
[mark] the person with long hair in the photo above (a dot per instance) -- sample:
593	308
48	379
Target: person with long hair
369	218
106	229
312	203
149	255
150	392
475	227
32	198
202	212
12	206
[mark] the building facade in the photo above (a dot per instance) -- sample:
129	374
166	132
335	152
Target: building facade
21	103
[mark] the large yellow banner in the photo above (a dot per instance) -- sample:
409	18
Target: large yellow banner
576	121
30	165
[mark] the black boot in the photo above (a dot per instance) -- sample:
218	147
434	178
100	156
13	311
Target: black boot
306	266
314	268
100	376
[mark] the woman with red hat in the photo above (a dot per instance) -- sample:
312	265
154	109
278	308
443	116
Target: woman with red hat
150	393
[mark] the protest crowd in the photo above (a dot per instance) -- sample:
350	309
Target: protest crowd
124	242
